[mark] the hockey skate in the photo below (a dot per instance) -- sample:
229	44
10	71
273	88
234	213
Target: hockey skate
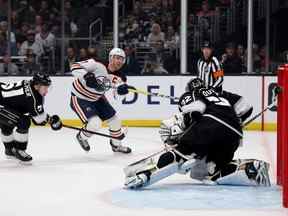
83	143
120	148
9	153
22	155
9	150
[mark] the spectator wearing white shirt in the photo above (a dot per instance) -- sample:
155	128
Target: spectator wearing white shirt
156	35
31	44
172	39
46	39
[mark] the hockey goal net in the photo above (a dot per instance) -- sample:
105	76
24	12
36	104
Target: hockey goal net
282	132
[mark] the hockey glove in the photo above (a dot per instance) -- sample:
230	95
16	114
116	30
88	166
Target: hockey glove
55	122
122	89
90	80
170	129
99	83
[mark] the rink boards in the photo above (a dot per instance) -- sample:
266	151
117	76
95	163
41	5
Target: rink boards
141	110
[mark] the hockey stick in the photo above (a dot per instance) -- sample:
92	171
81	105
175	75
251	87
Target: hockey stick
132	89
276	91
151	94
93	132
259	114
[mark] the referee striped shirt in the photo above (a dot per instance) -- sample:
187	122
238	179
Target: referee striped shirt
211	72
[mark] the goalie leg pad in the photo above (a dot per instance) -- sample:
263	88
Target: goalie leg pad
247	173
150	163
142	164
167	165
152	176
166	158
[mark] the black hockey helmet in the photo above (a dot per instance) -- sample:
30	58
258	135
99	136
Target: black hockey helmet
193	84
41	79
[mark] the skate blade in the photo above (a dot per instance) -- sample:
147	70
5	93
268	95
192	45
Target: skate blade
25	163
10	157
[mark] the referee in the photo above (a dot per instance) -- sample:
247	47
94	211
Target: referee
209	68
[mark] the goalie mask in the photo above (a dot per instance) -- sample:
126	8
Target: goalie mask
193	84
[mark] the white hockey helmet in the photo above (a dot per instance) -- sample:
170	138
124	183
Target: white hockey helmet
118	52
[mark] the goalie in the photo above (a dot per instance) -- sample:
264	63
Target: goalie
202	139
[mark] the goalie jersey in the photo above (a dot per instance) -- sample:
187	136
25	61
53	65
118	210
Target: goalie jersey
79	87
205	102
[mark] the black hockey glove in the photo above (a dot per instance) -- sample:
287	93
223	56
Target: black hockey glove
55	122
100	83
90	80
123	89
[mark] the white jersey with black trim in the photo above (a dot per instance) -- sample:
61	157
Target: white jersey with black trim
79	87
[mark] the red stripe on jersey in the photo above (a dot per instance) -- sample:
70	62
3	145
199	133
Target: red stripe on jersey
87	90
77	85
78	109
116	133
81	92
75	65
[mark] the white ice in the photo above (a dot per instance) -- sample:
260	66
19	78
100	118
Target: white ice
64	180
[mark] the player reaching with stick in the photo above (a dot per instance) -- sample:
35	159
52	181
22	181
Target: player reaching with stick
88	101
19	103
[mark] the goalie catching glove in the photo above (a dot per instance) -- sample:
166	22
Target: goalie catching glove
171	128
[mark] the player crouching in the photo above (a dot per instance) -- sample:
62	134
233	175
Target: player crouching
19	103
202	139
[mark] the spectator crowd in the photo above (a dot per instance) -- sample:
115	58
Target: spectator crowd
148	32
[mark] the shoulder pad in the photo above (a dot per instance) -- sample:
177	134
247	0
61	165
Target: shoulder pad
185	99
206	92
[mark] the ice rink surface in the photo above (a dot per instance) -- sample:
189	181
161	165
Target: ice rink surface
64	180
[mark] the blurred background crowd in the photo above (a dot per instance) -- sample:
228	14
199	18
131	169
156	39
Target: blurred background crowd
149	32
